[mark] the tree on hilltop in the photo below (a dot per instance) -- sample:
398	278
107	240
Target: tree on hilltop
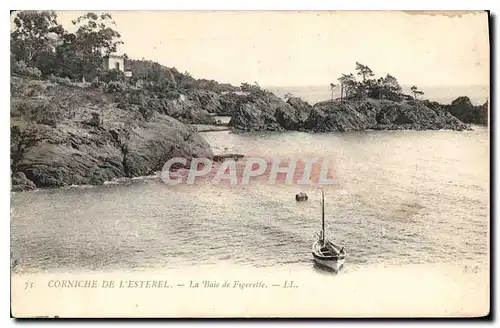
332	86
364	71
390	88
347	85
416	92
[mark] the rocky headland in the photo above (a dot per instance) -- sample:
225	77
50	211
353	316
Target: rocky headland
265	111
69	135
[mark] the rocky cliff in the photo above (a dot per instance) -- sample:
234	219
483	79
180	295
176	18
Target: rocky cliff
64	135
265	111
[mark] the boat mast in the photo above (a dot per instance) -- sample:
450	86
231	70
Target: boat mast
323	215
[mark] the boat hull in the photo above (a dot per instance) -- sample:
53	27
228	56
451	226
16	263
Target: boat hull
331	264
324	257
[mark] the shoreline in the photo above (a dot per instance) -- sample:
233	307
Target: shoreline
220	156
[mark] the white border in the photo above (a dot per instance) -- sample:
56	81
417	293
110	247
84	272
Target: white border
187	5
253	5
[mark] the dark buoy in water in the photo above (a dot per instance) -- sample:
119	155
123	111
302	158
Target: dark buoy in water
301	196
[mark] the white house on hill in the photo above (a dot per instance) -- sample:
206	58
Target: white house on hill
114	62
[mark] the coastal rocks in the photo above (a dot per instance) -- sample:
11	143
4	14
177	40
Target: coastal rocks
359	115
206	100
301	196
229	101
299	104
341	116
152	143
21	183
190	107
71	156
265	112
293	116
193	115
68	155
181	107
259	112
251	117
463	109
415	115
73	152
222	157
481	116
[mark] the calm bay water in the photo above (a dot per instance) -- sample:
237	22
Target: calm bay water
402	197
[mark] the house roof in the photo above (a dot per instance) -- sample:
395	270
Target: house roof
113	56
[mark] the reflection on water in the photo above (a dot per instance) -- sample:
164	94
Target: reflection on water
321	269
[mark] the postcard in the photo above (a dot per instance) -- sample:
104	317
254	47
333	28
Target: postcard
249	164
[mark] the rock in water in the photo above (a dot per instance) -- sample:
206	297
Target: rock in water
301	196
293	116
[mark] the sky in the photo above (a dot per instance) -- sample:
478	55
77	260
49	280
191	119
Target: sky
278	48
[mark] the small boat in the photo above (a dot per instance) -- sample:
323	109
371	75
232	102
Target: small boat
325	252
